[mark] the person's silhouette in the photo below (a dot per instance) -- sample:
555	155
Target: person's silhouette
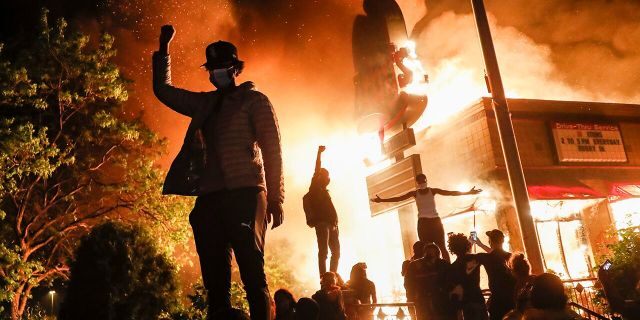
231	160
430	227
325	217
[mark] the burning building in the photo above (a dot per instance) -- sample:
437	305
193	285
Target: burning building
582	166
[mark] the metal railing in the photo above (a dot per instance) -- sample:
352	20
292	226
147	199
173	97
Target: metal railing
586	313
384	311
582	293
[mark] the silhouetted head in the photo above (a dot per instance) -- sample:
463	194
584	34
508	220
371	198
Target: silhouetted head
284	300
418	249
358	271
223	64
547	292
328	279
421	181
519	265
496	239
431	251
307	309
322	178
459	244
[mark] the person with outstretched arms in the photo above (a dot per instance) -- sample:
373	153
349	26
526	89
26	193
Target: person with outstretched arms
430	227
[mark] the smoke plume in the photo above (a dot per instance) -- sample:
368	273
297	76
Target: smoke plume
298	53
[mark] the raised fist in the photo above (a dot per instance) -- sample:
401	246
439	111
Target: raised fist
166	33
322	148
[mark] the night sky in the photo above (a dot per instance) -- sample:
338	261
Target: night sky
299	53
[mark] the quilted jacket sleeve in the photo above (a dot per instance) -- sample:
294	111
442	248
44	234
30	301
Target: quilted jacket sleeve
179	100
268	138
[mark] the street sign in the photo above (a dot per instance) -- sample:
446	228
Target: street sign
393	181
399	142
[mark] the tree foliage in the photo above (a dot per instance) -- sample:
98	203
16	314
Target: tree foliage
118	273
625	259
70	158
624	255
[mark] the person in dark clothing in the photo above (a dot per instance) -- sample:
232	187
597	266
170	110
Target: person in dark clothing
427	278
307	309
360	290
549	300
285	305
231	314
521	271
501	281
329	298
418	252
231	160
325	217
364	289
464	277
430	227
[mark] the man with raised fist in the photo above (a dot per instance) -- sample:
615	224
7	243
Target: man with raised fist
231	161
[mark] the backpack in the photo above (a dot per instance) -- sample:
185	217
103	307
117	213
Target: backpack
307	205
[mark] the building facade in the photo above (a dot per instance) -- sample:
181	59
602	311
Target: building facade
582	166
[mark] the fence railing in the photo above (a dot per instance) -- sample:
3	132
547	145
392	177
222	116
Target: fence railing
581	293
384	311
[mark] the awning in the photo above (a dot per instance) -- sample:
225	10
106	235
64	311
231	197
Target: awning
555	188
550	192
625	190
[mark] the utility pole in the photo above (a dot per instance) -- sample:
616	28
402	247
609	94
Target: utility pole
508	140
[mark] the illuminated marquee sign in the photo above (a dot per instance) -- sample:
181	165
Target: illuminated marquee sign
588	142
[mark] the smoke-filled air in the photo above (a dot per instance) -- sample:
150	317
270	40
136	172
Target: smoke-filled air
299	54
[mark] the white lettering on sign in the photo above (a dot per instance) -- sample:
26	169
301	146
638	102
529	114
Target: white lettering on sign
588	142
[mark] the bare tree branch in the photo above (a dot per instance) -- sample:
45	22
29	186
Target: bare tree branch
105	157
23	206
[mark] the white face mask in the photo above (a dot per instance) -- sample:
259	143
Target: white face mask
422	185
221	78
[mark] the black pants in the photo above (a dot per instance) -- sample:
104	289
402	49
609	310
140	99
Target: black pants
327	239
431	230
499	306
226	221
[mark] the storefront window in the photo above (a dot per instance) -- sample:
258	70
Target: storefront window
626	213
563	242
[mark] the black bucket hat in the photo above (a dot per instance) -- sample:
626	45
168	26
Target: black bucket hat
221	54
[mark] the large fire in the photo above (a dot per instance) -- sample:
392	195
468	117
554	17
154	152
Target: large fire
299	55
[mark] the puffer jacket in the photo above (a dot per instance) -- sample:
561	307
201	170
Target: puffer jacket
247	138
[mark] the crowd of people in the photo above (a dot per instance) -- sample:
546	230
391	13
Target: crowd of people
231	160
441	290
336	300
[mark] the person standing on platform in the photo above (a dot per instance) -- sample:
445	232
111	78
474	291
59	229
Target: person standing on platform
430	227
231	160
322	215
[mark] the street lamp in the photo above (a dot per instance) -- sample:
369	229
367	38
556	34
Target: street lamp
52	293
